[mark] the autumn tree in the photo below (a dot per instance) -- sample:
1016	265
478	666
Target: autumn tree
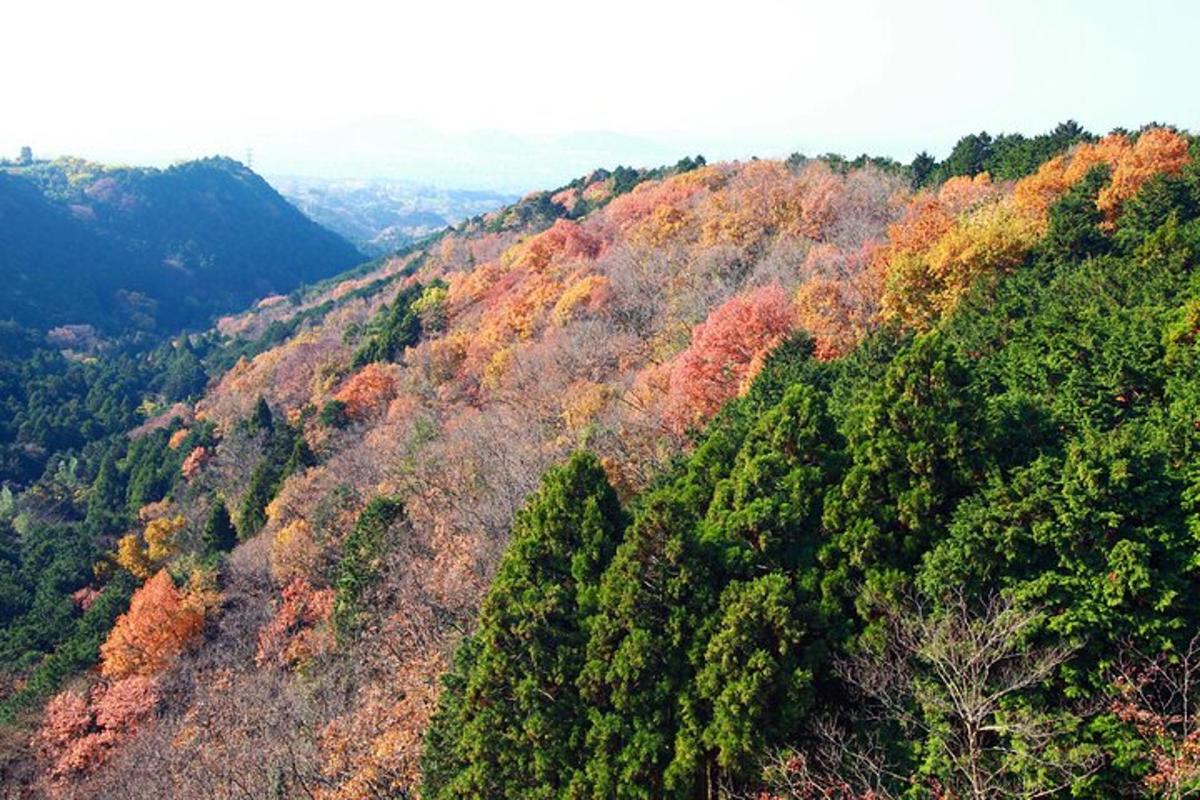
142	555
1156	695
160	623
367	392
80	732
724	351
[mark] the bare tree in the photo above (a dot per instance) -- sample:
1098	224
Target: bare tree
1157	694
955	677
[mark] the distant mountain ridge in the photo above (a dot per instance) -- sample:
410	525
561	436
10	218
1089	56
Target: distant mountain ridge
381	216
121	247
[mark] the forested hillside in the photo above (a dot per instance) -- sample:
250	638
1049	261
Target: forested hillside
812	478
121	248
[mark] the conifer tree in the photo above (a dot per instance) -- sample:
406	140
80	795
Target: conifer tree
219	534
521	724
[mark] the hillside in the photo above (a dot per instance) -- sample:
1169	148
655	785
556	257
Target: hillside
646	487
379	216
121	248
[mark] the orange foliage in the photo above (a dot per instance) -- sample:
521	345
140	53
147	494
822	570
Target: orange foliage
159	625
375	750
561	241
1157	151
177	438
194	462
826	313
838	303
367	392
963	193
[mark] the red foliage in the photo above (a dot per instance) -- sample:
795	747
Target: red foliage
78	733
295	632
85	597
723	353
563	240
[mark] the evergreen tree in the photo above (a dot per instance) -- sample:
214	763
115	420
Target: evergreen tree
521	725
252	514
106	501
261	418
922	169
362	553
219	534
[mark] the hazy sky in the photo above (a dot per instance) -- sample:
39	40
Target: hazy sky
521	93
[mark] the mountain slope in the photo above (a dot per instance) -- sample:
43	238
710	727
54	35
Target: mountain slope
122	247
804	412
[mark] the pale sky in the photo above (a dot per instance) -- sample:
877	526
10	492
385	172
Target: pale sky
525	93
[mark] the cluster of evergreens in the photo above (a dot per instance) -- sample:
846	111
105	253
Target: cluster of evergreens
285	451
1038	445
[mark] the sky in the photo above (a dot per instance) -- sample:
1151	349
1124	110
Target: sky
525	94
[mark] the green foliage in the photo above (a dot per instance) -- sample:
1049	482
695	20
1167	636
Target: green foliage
78	650
394	329
97	240
285	452
219	534
519	672
362	557
333	414
1005	157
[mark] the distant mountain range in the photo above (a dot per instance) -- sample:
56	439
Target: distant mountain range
381	216
120	247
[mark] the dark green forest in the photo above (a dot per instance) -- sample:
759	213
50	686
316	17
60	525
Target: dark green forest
126	249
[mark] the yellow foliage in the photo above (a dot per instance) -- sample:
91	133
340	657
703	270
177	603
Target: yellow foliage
664	224
160	537
131	556
497	367
294	552
203	592
588	291
141	555
923	286
583	402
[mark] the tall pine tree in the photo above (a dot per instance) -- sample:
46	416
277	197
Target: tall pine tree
517	719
